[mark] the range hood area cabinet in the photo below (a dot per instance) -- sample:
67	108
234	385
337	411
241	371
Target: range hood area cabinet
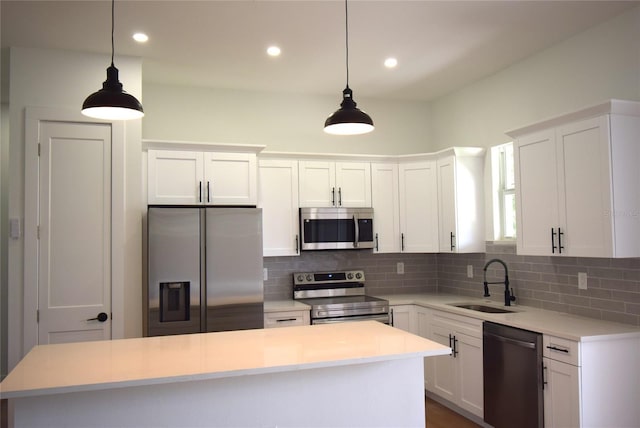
577	176
185	177
334	184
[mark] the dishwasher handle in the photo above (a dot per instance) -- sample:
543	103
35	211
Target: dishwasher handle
521	343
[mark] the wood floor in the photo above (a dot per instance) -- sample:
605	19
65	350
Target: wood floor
438	416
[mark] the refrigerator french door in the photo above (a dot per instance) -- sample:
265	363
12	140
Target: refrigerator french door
204	270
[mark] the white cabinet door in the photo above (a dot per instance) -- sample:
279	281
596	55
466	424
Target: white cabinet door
447	214
470	375
384	200
584	183
317	184
353	182
175	177
536	193
230	178
278	198
561	394
461	203
443	377
418	207
402	317
331	184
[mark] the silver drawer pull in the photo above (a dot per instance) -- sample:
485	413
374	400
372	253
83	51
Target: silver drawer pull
286	320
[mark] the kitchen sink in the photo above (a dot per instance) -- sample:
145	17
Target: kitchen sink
481	308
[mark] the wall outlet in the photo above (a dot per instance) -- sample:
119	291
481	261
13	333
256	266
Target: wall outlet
582	280
469	271
265	274
400	268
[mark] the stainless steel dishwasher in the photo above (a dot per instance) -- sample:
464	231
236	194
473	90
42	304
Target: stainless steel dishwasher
512	377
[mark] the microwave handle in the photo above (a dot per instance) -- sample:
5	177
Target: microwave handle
357	230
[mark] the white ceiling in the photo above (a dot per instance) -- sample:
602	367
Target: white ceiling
440	45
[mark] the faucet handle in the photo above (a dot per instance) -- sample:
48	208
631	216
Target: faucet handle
486	289
511	296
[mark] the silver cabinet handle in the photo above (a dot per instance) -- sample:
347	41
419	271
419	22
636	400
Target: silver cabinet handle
402	242
208	192
377	248
333	196
340	196
200	191
297	245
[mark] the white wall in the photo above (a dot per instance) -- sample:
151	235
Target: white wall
282	122
62	80
598	64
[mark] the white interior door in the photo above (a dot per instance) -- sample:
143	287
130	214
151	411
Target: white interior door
74	246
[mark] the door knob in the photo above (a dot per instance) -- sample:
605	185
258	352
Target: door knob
102	317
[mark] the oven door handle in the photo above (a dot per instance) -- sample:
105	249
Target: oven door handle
382	318
357	230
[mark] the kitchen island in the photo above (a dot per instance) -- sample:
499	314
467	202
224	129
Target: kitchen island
349	374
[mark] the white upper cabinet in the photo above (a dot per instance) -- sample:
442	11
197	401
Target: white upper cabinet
461	202
278	198
334	184
577	190
418	207
385	203
185	177
175	177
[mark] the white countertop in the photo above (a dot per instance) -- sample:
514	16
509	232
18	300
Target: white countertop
571	327
284	306
88	366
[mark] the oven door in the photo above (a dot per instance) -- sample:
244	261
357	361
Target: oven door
383	318
336	228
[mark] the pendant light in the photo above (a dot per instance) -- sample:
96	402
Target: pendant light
348	119
112	102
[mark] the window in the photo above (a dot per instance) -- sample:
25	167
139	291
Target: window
504	200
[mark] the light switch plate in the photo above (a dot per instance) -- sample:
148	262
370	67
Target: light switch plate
400	268
582	280
265	274
469	271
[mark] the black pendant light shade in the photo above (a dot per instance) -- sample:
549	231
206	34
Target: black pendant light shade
112	102
348	119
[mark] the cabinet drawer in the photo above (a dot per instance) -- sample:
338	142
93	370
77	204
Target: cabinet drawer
566	351
286	319
467	325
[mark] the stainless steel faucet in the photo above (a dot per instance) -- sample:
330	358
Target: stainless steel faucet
508	293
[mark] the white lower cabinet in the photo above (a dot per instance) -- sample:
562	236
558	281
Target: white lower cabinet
286	318
403	317
561	394
457	377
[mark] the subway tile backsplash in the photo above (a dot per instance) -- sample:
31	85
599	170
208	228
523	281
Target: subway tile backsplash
613	285
420	271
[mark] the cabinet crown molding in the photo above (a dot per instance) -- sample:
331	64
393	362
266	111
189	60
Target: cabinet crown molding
201	146
612	106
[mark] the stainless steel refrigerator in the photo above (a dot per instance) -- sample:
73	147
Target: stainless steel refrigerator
204	270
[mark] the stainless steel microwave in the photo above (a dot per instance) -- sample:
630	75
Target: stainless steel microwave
336	228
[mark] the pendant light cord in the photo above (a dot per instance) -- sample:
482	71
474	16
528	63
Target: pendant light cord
346	31
113	14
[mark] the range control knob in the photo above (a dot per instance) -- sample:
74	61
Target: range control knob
350	275
358	275
300	278
309	277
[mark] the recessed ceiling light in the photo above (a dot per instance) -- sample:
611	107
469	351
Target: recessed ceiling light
390	62
140	37
273	51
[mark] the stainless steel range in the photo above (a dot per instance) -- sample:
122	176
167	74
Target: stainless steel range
338	297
